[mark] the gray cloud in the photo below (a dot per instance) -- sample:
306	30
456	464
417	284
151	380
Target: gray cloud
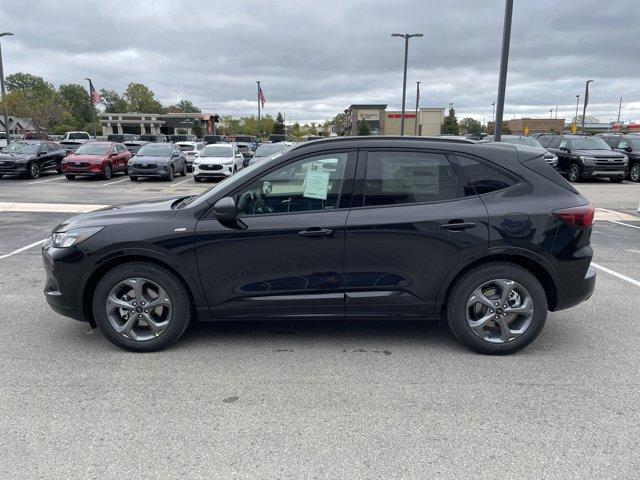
315	58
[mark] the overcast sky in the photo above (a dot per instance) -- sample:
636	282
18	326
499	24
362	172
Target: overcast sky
315	58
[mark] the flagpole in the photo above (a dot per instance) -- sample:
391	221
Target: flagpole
93	107
259	131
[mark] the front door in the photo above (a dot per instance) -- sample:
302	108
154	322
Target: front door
284	254
416	218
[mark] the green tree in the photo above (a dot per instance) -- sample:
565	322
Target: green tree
505	128
196	128
114	103
363	128
470	125
26	82
141	99
339	122
278	125
295	130
450	125
78	102
183	106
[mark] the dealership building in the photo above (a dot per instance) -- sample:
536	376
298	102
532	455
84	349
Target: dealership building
149	123
387	122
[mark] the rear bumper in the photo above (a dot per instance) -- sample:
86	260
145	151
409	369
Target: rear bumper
577	292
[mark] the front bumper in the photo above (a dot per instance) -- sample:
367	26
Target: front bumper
85	168
603	171
205	171
578	292
157	171
13	169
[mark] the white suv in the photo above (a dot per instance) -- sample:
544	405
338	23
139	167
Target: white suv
217	160
191	151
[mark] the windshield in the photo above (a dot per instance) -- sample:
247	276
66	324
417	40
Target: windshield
156	150
185	147
22	148
77	136
589	143
635	142
531	142
266	150
217	151
93	149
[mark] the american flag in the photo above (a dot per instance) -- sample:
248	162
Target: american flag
95	95
261	96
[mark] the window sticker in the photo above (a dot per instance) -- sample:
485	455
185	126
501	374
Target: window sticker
316	184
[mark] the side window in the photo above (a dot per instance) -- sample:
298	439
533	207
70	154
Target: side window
623	144
310	184
564	143
393	178
553	143
544	140
43	148
484	178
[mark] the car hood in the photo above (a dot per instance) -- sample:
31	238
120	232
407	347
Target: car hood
214	160
151	159
85	158
598	153
122	213
15	157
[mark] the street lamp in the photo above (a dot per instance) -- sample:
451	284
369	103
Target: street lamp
504	62
586	101
575	120
4	95
406	37
493	114
551	113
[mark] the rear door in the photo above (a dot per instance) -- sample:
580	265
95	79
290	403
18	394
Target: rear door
414	218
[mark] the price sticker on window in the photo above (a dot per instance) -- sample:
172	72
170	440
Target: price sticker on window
316	184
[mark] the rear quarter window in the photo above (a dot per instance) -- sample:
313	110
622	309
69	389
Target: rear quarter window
483	177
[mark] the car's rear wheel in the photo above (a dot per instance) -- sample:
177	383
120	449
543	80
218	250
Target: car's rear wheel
107	172
34	170
70	176
634	173
497	308
141	306
574	172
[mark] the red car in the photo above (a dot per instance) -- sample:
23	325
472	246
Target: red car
98	159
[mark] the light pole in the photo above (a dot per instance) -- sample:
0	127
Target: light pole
550	114
93	107
575	121
586	101
504	62
4	95
619	109
406	37
493	114
415	125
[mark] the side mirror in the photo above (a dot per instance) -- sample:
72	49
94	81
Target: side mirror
628	148
113	154
225	209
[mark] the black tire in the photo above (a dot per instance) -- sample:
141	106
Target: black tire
107	172
1	175
196	178
133	178
170	174
185	170
474	278
70	176
34	170
634	172
617	179
175	289
574	172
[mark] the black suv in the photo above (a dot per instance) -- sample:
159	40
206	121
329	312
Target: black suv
488	236
581	156
630	146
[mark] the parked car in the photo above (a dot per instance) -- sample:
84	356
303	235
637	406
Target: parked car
97	159
246	149
134	145
35	136
182	138
72	141
3	140
122	137
191	151
277	137
585	156
154	137
162	160
487	236
31	158
207	139
549	157
476	136
628	145
217	160
267	150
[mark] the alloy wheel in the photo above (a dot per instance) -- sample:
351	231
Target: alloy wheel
574	173
499	311
34	170
138	309
634	174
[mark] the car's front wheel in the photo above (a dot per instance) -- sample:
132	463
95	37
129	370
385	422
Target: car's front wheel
497	308
141	306
634	173
34	170
133	178
170	174
70	176
107	172
574	172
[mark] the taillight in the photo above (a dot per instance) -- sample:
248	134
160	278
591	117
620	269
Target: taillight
580	217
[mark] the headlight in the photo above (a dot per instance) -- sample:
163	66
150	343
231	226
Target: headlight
588	159
73	237
625	159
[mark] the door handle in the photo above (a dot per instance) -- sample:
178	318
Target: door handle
455	226
316	232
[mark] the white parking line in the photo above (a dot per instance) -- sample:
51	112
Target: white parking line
616	274
625	224
176	184
113	183
22	249
47	180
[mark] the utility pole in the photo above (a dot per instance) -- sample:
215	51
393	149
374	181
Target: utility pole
556	117
93	107
586	101
575	121
619	109
415	126
493	114
551	114
4	94
406	37
259	129
504	62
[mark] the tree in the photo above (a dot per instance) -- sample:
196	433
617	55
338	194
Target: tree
141	99
26	82
505	128
450	125
363	128
78	103
295	130
470	125
113	102
196	128
278	125
183	106
338	123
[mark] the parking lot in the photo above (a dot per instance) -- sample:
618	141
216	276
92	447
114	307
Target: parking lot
357	399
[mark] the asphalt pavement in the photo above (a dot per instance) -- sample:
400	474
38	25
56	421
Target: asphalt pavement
317	399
